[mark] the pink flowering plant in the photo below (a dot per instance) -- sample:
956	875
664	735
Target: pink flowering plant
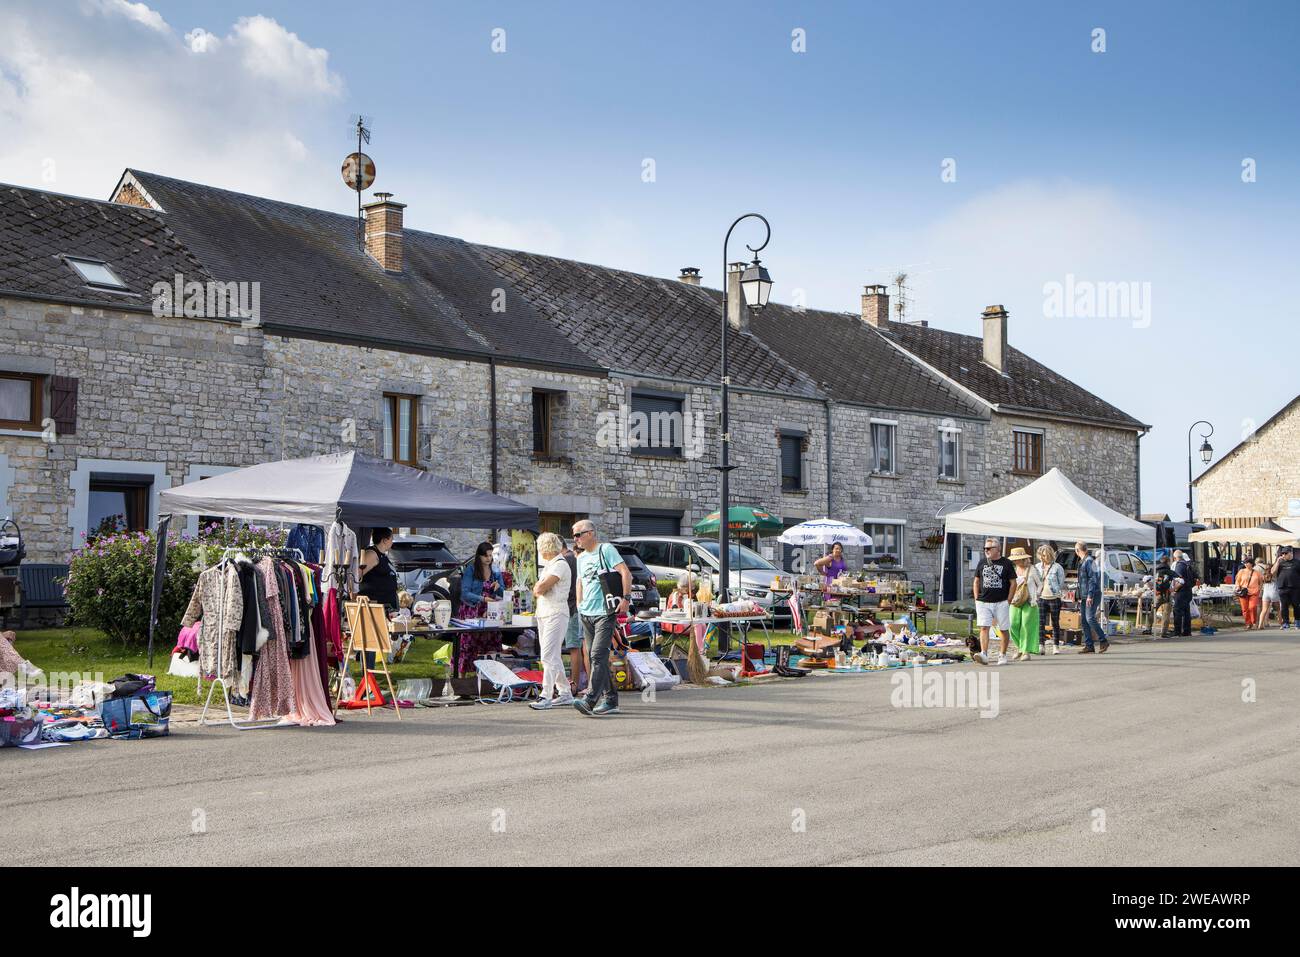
110	578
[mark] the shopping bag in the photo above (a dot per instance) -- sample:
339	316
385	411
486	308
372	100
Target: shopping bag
145	716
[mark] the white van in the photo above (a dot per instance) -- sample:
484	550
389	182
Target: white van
669	555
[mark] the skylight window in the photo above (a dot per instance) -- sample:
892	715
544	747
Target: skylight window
95	273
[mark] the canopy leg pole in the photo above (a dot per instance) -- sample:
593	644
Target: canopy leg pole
159	573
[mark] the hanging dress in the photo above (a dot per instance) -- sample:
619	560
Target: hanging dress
273	691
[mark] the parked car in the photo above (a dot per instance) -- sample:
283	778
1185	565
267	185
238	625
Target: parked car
1122	568
668	557
645	589
420	561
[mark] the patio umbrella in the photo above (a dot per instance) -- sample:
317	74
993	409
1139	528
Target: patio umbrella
741	518
824	531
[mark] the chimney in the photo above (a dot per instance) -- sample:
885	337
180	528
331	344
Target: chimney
875	306
737	311
995	337
384	231
690	275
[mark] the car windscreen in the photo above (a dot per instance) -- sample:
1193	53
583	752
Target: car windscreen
412	554
740	558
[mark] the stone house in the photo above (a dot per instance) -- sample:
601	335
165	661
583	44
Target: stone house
1258	480
583	390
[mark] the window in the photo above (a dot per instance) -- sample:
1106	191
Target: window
653	521
118	503
96	273
882	446
655	425
792	477
542	409
21	405
401	427
886	539
950	454
1027	452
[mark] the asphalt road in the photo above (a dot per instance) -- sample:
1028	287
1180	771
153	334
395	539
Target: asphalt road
1146	755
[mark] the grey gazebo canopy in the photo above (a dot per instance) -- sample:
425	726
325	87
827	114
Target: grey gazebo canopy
349	487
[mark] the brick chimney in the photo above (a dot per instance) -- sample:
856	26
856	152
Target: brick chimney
384	231
875	306
737	311
690	275
995	337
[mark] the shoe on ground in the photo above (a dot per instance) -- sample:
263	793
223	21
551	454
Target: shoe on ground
564	699
583	706
542	704
1087	650
1056	647
1103	647
1286	626
980	658
604	708
1003	659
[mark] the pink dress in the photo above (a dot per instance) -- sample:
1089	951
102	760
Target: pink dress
273	689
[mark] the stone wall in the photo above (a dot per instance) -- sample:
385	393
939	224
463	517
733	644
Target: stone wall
1101	461
160	396
914	493
1259	477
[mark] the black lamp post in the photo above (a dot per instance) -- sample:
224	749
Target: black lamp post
756	287
1207	453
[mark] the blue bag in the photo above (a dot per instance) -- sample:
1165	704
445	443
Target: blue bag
143	716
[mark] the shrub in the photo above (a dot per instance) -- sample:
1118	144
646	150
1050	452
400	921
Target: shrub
110	579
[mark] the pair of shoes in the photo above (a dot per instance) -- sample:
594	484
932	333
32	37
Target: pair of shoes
1146	631
1103	647
1286	626
980	658
561	700
1087	650
1056	647
604	708
583	706
542	704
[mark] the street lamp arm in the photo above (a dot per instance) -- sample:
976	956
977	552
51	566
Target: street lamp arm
753	249
1205	437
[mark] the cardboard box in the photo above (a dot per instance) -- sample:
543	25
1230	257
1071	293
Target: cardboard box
1071	621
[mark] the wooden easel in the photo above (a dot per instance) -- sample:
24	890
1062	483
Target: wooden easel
368	632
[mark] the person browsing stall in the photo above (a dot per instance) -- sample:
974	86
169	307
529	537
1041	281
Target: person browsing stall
831	566
480	584
599	618
1090	598
552	594
378	576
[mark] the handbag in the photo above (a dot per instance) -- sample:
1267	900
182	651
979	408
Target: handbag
1020	596
611	583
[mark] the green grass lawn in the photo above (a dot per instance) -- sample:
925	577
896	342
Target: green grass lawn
87	652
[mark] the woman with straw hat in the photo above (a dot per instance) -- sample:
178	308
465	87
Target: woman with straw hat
1024	605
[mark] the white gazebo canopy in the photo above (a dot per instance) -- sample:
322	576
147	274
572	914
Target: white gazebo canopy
1051	508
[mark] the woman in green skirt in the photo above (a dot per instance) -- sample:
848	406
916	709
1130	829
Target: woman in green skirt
1024	605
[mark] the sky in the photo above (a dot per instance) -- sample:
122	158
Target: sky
1129	195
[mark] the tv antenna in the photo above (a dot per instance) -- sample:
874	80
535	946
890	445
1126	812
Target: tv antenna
359	169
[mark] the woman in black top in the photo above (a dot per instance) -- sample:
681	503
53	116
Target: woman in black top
1286	572
378	577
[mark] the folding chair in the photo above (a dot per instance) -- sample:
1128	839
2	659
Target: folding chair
508	685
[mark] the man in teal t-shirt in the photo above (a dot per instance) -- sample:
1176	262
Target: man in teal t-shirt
598	620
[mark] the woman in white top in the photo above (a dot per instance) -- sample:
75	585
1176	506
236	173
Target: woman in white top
1049	598
1269	595
552	593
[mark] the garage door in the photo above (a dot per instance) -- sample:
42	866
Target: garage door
654	522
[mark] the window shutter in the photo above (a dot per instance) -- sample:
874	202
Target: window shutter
805	470
63	401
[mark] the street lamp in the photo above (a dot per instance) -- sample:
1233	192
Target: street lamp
756	287
1207	453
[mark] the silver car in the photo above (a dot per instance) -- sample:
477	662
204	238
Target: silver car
669	555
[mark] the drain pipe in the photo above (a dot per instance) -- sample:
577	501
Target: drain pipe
492	392
829	407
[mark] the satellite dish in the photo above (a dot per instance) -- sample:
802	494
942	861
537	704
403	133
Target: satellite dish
358	171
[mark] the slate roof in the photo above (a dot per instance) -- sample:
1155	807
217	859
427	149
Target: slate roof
37	228
316	280
851	363
1028	386
644	324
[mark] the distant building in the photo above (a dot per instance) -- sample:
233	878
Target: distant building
1259	479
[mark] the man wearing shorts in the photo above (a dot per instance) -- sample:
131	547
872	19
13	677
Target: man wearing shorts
994	578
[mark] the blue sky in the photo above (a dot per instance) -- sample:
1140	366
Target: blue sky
1122	166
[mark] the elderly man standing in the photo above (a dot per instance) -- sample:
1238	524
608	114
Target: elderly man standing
994	578
1090	598
599	613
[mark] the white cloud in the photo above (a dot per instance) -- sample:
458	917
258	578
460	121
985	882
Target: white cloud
88	89
139	12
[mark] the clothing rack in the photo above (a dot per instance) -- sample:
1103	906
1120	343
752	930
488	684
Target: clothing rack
249	725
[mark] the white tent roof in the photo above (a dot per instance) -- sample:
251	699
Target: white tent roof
1053	508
